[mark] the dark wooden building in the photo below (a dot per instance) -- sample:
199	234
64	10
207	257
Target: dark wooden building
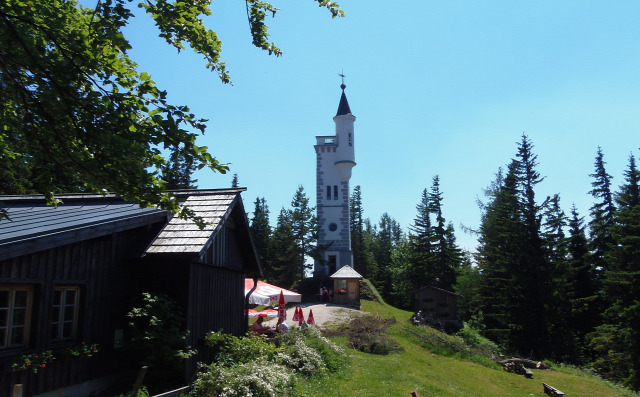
69	275
439	307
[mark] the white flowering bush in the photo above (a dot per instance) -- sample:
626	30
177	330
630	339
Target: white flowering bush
257	379
302	358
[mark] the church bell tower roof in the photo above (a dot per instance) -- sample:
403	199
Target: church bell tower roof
343	107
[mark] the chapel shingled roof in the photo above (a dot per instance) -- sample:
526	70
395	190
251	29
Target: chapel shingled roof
346	272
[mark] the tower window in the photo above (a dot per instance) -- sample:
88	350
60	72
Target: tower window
333	226
335	192
329	192
350	141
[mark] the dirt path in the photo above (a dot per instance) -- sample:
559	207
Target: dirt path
323	313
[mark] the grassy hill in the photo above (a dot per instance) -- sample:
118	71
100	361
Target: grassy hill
417	367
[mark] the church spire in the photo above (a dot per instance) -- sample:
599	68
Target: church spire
343	107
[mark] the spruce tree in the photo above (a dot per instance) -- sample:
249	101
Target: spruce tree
558	306
357	232
304	226
501	238
602	214
534	270
261	234
285	256
622	284
234	181
423	270
178	170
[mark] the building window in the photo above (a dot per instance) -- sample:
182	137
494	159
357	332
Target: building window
64	315
350	142
15	315
328	192
333	226
335	192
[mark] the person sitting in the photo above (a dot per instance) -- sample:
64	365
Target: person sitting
418	318
282	327
257	328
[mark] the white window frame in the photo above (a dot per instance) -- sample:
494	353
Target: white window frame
9	326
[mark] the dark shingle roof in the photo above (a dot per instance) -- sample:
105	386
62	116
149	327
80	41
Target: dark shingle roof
34	226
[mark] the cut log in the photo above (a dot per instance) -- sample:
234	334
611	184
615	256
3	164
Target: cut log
526	363
528	373
550	390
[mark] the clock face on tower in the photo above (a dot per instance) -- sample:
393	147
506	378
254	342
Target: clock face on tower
333	227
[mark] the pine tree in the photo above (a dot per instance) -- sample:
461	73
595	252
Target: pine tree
386	237
261	234
357	233
304	226
446	254
423	271
558	305
234	181
582	290
501	238
178	170
602	214
285	256
535	271
622	283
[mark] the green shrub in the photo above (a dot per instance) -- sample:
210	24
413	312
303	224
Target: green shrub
367	333
473	338
156	338
231	350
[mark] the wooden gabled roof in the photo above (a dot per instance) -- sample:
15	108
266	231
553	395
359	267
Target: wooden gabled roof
215	207
183	235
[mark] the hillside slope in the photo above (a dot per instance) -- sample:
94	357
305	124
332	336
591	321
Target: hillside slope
419	368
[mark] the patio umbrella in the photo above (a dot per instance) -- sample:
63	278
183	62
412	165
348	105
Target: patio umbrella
310	319
268	313
300	319
252	313
296	314
269	290
282	308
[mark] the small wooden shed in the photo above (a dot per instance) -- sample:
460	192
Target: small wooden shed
438	306
346	286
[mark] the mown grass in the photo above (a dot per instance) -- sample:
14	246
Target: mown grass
449	373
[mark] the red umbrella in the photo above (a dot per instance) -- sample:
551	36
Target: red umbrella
310	319
268	313
296	314
282	308
300	319
252	313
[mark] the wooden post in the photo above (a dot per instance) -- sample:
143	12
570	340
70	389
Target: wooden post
138	384
415	393
17	390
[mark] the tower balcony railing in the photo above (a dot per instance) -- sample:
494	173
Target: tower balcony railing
328	140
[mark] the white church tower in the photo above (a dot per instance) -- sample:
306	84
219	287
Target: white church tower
335	158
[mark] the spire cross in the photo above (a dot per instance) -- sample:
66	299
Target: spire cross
343	76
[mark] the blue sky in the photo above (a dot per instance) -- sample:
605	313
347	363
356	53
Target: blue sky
438	88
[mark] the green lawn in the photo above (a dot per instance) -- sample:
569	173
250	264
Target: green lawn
434	375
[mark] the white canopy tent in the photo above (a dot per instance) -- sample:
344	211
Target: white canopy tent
266	293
